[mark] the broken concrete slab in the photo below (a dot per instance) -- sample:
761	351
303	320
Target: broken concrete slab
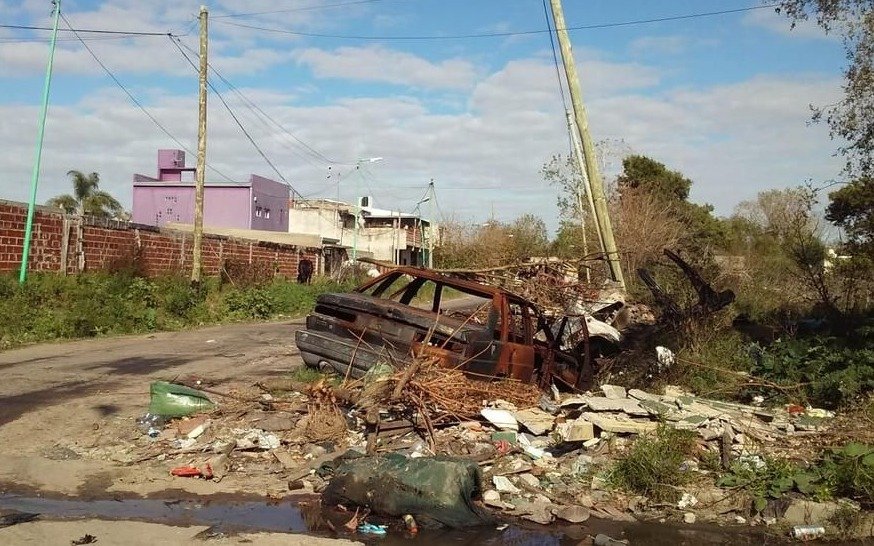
504	485
618	423
536	420
614	392
579	430
625	405
806	512
572	514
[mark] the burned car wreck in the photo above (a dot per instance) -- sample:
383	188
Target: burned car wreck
483	330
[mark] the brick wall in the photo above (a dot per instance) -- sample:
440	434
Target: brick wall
93	244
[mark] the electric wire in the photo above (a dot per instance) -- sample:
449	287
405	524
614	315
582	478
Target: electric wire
137	102
498	34
239	124
78	31
554	55
258	110
290	10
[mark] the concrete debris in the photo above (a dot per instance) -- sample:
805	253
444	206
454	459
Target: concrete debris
504	485
572	514
690	517
536	420
578	430
614	392
501	418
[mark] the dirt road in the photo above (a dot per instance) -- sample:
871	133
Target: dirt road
58	401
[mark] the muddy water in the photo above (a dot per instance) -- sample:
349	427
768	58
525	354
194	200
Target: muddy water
286	516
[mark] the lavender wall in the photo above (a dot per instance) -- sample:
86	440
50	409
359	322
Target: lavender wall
223	206
272	196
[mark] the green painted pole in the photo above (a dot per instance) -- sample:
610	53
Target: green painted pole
28	227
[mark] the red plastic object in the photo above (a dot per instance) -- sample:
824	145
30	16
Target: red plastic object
503	446
186	471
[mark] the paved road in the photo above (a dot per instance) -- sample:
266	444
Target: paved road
49	374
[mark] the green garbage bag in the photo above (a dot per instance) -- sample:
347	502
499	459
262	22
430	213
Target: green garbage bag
434	490
172	400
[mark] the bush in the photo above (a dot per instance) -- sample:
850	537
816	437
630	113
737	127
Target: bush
653	465
252	303
828	371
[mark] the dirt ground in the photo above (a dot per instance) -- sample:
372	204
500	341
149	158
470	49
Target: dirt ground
60	400
135	533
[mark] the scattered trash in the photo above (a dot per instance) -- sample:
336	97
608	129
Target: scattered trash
807	532
255	439
151	424
687	501
411	524
371	529
172	400
87	539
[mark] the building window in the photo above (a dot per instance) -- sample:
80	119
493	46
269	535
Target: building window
266	213
259	212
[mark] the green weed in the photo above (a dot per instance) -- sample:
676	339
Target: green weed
652	467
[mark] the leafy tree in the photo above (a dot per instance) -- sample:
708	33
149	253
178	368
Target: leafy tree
529	237
87	198
852	209
643	174
852	119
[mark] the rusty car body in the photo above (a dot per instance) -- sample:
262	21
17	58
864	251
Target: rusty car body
484	330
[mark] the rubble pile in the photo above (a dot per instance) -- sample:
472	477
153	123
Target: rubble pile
542	457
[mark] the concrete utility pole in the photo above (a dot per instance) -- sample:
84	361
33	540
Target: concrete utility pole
31	207
432	197
200	173
596	184
581	165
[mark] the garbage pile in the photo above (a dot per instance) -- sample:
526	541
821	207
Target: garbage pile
429	445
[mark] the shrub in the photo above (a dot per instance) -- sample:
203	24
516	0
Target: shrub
252	303
653	465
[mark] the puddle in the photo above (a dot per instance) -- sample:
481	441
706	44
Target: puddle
286	516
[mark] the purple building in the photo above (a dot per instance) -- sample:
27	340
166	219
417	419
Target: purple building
260	203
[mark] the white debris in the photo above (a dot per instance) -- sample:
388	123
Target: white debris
504	485
502	419
687	501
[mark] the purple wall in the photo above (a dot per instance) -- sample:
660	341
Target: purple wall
260	204
223	206
269	204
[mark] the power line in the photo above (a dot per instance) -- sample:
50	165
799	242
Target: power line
256	109
134	99
78	31
554	55
289	10
237	121
500	34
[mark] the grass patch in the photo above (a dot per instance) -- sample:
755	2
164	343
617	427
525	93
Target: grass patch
652	465
305	374
51	306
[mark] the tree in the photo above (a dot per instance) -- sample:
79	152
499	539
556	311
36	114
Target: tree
642	174
87	198
852	119
529	237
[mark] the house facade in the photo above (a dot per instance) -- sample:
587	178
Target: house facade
259	204
390	236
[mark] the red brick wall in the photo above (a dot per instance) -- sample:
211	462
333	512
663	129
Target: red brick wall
108	243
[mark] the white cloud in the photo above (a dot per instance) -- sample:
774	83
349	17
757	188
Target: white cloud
780	24
658	45
732	140
379	64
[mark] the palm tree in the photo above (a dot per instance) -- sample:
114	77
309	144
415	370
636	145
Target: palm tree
88	198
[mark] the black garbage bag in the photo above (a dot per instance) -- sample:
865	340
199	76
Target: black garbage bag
435	490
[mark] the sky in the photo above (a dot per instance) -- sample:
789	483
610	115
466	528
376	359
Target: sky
460	92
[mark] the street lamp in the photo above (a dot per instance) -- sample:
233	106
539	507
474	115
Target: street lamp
358	204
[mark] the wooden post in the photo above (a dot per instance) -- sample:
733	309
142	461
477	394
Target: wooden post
196	263
602	215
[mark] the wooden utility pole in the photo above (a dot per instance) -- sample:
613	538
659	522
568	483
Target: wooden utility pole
596	184
200	173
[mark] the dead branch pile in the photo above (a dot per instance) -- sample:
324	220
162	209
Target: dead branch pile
451	391
552	285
